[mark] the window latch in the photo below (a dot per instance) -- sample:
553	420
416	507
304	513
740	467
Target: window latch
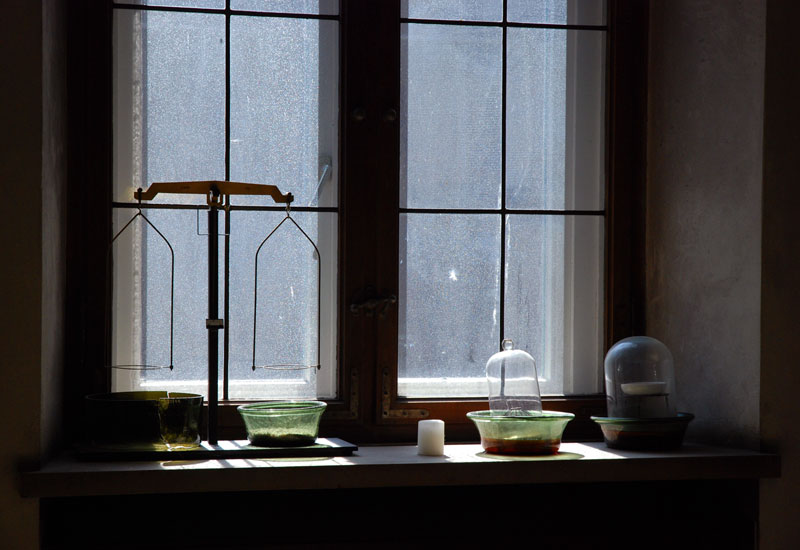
371	306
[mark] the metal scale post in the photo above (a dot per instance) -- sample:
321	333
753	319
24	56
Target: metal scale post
213	323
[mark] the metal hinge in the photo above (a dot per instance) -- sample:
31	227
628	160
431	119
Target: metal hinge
386	409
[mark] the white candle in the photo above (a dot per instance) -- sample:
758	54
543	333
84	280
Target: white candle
644	388
430	437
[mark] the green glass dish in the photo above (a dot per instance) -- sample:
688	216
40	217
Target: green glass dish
644	434
282	423
538	433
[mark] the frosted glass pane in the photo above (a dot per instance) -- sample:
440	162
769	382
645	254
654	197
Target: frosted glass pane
554	297
287	303
150	310
459	10
320	7
213	4
284	106
448	303
450	136
558	12
170	100
554	133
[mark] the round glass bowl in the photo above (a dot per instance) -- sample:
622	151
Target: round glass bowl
644	434
282	423
538	433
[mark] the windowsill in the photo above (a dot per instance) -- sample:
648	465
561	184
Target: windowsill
395	466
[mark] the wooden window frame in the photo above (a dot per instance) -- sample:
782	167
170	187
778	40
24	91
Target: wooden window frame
367	409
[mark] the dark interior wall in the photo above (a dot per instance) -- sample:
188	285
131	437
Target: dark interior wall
704	163
21	272
32	222
780	276
722	231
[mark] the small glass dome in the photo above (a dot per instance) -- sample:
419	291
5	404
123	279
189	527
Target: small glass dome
640	379
513	384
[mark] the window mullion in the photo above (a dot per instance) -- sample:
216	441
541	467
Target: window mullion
370	168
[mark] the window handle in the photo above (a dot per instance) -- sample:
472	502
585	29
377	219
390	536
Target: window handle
373	305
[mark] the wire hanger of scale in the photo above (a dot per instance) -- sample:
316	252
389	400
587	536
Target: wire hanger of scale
140	214
318	258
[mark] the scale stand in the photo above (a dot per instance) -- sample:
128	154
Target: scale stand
218	195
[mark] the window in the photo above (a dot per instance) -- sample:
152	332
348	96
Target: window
452	161
246	96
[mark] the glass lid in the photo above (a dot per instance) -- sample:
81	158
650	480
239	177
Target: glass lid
513	383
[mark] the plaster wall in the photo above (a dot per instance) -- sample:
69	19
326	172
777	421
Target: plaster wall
32	220
21	273
705	120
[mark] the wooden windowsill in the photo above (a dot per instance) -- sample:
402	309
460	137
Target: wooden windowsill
395	466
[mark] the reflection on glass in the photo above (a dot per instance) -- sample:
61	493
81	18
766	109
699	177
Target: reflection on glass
212	4
558	12
284	106
553	301
536	127
448	303
458	10
319	7
450	136
287	304
555	144
170	100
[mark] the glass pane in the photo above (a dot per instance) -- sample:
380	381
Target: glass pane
212	4
558	12
319	7
448	303
458	10
450	136
284	97
169	100
287	305
554	131
143	304
554	297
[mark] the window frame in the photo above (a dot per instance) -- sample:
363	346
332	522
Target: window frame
368	167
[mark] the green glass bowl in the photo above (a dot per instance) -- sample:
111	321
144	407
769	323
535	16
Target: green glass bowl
644	434
282	423
537	434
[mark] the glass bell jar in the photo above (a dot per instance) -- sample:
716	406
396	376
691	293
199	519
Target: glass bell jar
640	379
513	384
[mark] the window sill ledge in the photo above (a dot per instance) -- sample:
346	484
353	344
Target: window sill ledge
395	466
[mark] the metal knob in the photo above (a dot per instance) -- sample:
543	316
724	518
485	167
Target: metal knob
359	114
390	115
